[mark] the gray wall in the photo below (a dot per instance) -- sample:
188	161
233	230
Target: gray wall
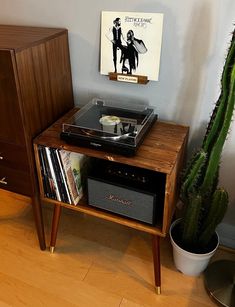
196	34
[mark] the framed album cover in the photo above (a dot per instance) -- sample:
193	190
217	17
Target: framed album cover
131	43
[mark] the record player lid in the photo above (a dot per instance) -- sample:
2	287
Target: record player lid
110	120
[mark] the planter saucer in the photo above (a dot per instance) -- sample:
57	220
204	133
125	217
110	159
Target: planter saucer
220	281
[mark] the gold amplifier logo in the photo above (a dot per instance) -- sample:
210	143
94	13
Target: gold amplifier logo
118	200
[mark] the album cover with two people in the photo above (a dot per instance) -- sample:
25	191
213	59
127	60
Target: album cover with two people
131	43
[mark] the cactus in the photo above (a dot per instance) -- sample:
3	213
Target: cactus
204	203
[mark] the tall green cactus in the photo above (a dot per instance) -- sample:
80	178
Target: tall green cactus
205	204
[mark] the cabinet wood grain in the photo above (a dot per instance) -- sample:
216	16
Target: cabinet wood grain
35	89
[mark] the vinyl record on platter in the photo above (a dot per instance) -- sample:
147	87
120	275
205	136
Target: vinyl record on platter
220	282
104	135
90	132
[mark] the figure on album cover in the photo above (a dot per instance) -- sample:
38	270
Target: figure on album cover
116	39
129	57
130	52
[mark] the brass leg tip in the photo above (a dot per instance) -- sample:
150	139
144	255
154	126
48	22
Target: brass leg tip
158	290
52	248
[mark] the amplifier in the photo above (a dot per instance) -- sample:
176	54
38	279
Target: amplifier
124	190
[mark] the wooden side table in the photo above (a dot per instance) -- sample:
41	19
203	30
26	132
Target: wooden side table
162	151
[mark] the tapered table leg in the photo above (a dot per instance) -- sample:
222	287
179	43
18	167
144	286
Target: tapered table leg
55	225
156	262
37	211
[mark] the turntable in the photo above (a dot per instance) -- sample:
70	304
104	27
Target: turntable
109	126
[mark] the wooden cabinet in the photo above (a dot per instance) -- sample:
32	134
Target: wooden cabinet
35	89
10	125
162	151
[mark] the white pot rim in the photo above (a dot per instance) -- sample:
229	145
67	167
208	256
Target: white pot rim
185	251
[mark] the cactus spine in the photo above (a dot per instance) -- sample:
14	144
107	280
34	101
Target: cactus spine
205	204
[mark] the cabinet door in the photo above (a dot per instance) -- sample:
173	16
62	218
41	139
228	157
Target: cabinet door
11	129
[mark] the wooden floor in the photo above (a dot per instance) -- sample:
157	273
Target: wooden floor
96	263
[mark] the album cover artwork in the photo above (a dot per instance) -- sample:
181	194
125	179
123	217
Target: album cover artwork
131	43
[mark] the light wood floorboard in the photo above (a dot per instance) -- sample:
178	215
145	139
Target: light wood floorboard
96	263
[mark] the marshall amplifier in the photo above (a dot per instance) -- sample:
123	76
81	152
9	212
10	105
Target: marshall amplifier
128	191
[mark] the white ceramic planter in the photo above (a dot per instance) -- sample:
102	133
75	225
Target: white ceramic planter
190	263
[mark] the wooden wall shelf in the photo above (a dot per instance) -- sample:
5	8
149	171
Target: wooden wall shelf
128	78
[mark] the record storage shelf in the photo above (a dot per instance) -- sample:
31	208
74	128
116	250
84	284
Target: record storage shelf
163	150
